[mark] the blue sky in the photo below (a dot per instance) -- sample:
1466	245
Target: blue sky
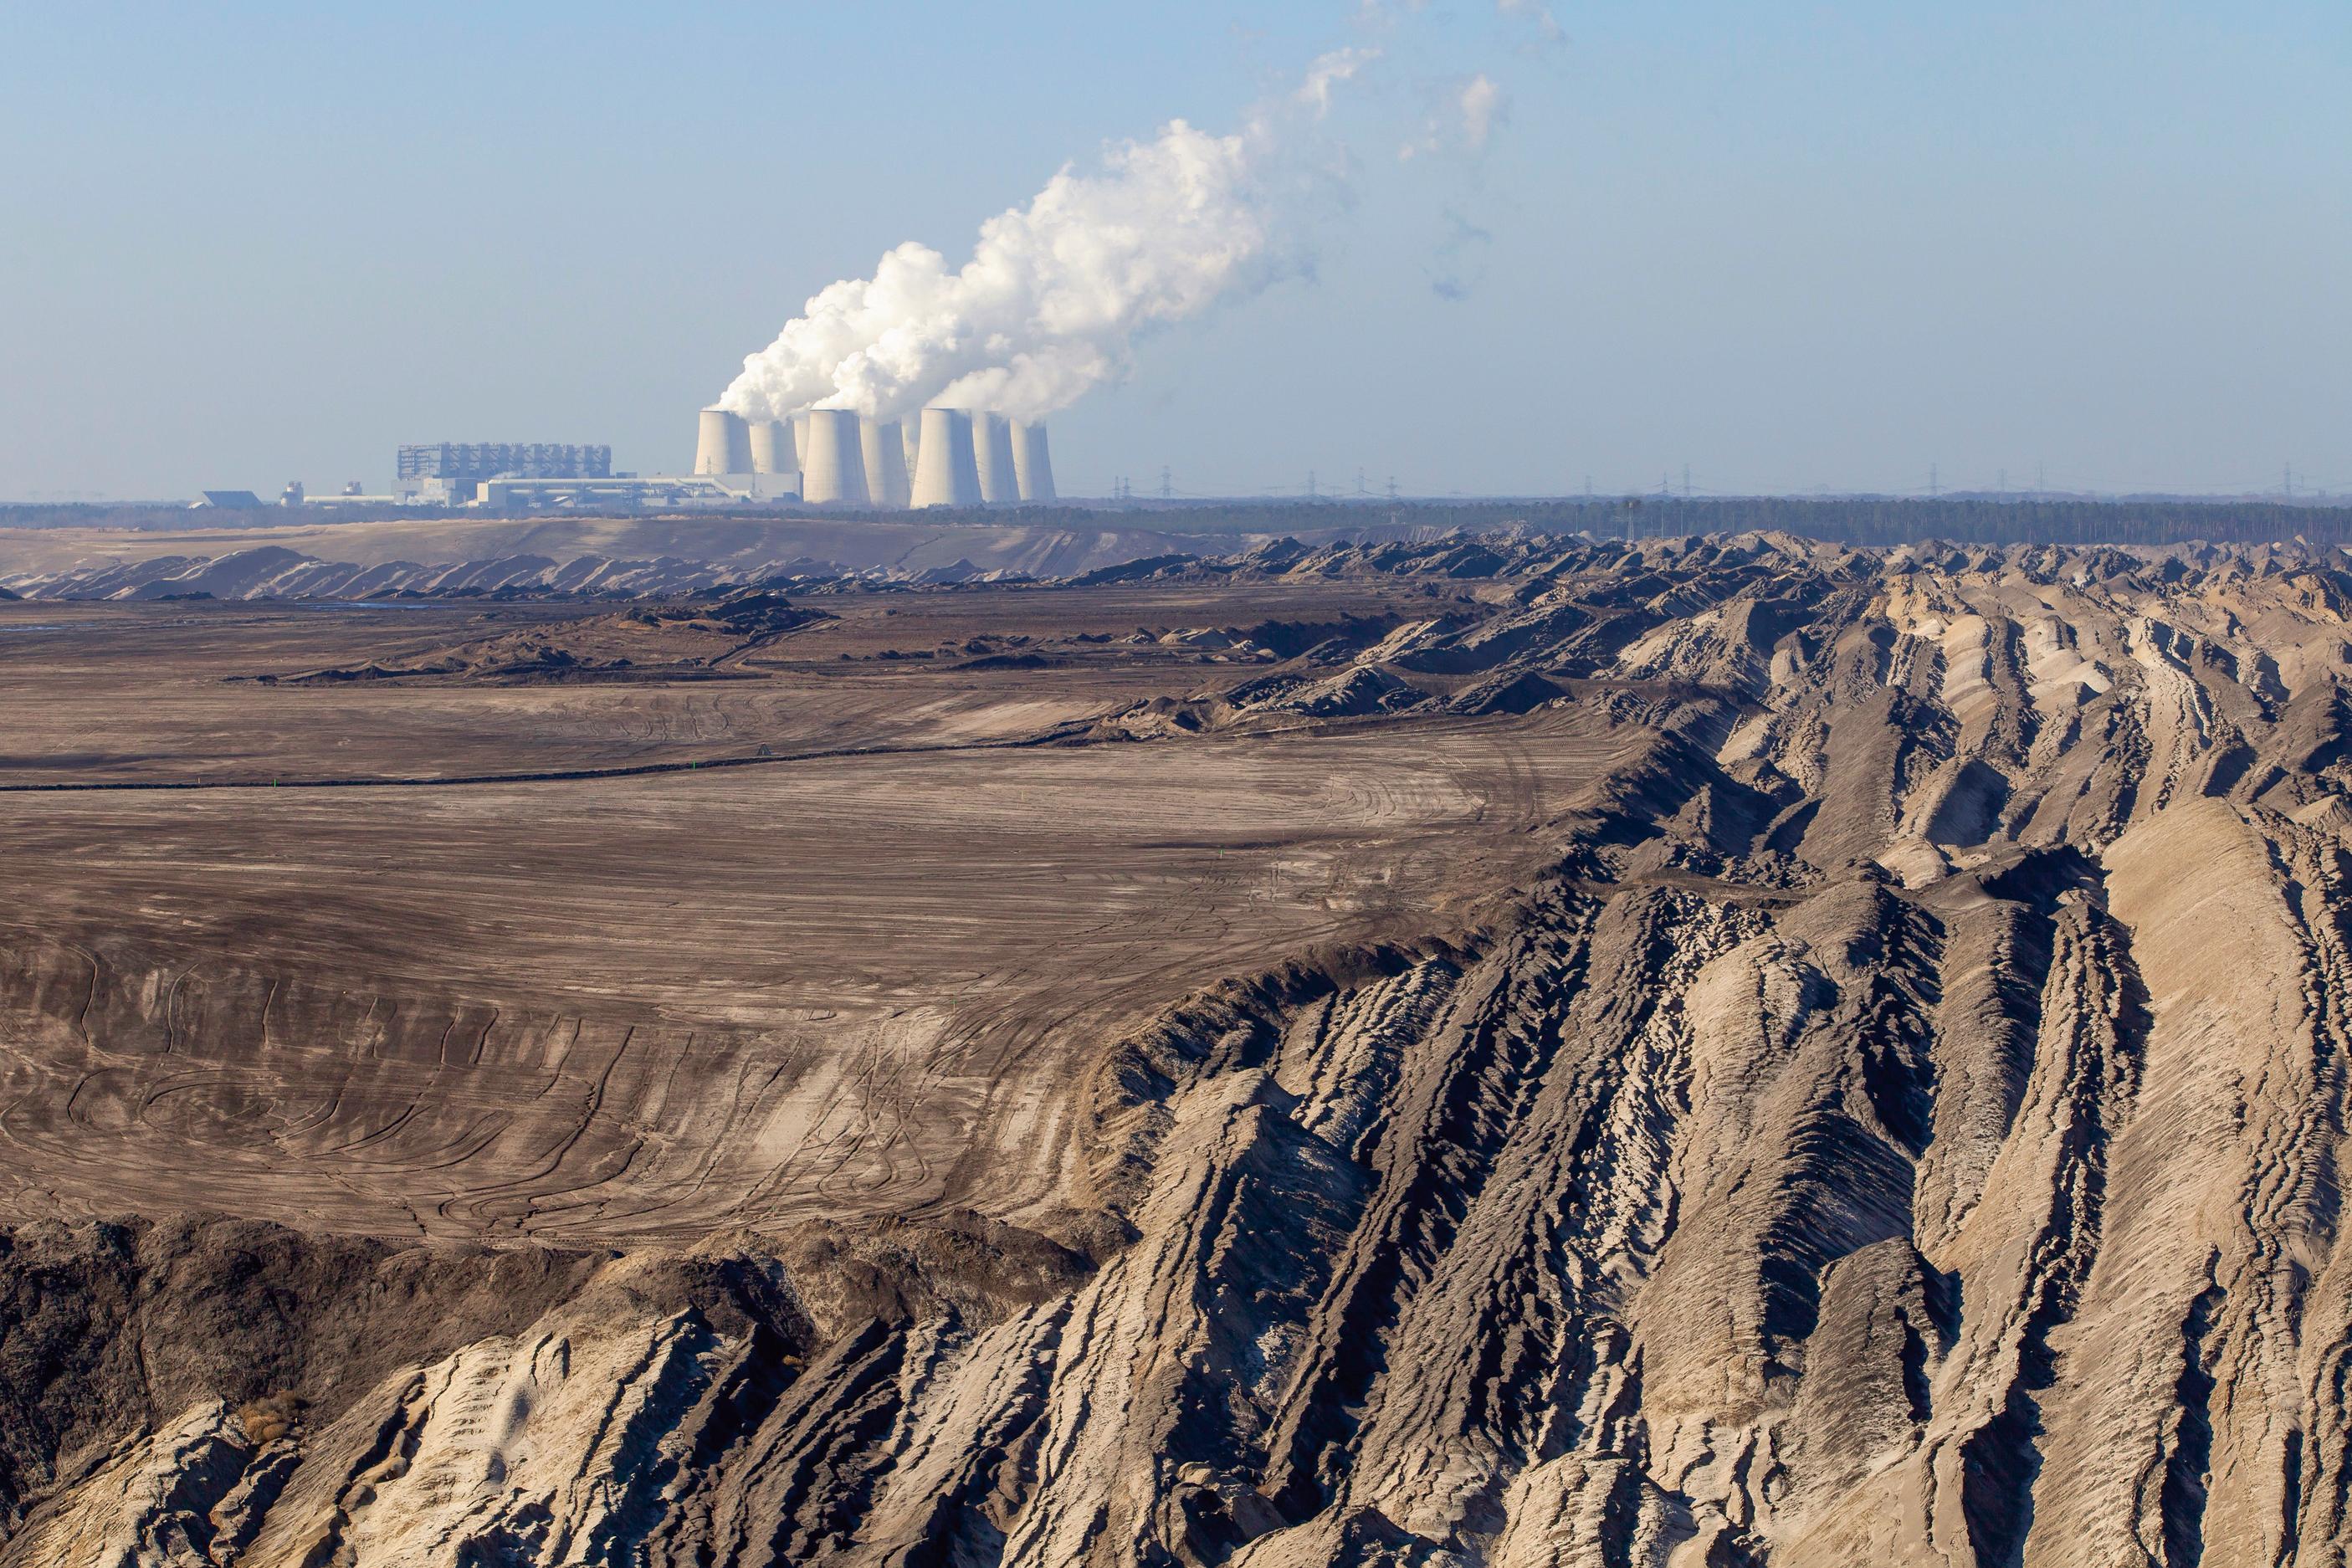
1791	245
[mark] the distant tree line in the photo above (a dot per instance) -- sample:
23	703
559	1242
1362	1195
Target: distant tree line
107	514
1870	521
1973	521
1867	521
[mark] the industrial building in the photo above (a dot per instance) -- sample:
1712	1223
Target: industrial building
952	458
451	473
626	493
502	461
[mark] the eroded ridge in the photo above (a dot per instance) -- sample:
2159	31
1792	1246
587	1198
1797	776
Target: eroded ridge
1893	1113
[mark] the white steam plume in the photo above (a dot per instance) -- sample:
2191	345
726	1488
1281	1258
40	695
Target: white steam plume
1056	292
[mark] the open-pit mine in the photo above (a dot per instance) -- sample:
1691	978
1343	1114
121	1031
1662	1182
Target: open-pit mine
1499	1050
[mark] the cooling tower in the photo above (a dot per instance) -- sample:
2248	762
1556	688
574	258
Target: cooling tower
722	443
945	471
771	447
711	442
910	429
833	470
991	436
1032	466
800	438
885	462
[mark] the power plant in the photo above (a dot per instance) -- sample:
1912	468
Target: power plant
817	457
950	457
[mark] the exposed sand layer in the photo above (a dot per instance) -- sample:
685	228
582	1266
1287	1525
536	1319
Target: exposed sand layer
1497	1051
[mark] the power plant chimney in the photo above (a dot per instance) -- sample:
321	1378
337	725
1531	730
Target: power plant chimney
771	447
946	472
1032	466
885	462
991	436
722	443
834	471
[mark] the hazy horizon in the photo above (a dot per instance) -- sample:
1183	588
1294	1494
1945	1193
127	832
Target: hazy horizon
2070	248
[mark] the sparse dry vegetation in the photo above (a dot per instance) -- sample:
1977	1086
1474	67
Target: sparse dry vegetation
267	1419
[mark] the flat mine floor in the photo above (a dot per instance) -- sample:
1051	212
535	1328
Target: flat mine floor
170	692
404	956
